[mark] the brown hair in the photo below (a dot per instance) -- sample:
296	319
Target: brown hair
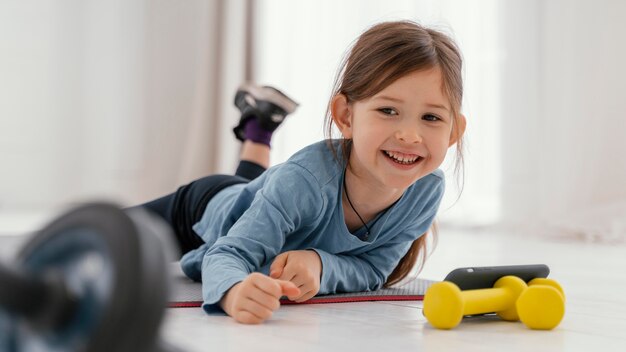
380	56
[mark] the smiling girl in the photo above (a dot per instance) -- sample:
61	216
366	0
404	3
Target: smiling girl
341	215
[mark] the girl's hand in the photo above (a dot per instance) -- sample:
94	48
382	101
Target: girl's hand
303	268
255	299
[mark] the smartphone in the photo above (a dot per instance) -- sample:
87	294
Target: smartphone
473	278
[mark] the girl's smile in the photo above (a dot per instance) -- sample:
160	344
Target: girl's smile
402	160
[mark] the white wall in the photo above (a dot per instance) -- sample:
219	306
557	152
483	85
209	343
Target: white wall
300	53
543	95
64	110
97	97
103	98
564	112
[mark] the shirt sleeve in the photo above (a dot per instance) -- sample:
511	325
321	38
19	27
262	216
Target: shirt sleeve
260	233
367	271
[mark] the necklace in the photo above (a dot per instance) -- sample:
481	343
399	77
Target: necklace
367	228
345	189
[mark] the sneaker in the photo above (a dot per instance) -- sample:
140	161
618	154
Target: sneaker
269	105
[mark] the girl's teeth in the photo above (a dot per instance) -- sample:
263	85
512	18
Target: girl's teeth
401	159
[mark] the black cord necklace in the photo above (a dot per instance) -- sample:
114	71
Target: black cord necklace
367	228
345	189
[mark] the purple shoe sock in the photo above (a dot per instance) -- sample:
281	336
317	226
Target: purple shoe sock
257	134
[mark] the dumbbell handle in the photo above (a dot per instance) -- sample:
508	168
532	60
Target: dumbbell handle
38	300
21	295
490	299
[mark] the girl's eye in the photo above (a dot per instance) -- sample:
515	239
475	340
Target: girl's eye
430	117
388	111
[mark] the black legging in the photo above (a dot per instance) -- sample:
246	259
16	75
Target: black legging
185	207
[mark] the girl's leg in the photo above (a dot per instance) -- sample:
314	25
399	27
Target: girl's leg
257	153
262	110
249	170
254	159
185	207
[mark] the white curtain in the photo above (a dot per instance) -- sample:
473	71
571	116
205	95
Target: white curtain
123	100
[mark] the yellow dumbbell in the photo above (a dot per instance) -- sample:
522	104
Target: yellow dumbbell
542	305
445	304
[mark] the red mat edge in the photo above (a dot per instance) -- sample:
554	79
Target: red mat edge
321	300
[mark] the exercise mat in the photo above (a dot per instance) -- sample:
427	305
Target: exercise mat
187	293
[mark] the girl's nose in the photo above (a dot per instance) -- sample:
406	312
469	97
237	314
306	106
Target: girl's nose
409	134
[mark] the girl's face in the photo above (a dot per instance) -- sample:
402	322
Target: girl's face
400	134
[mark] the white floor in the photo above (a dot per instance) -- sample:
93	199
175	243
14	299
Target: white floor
592	275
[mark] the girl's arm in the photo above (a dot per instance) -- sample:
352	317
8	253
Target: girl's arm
259	235
367	271
357	273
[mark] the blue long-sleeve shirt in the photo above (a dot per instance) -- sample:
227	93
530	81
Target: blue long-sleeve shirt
297	205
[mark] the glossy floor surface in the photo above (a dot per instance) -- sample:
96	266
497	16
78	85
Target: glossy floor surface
592	275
